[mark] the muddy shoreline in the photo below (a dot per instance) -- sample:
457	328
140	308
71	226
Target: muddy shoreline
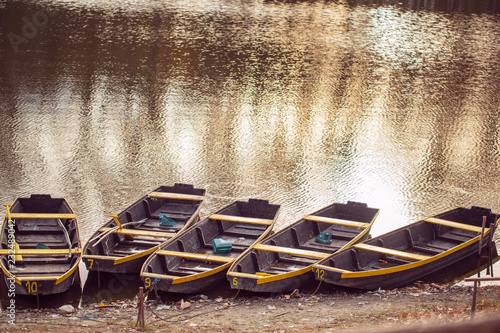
326	310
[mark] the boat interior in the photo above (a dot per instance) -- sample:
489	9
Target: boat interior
240	224
45	232
418	241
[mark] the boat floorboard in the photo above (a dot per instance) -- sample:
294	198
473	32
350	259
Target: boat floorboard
314	245
155	226
297	260
41	268
277	269
245	230
425	250
452	237
237	242
440	244
193	267
126	248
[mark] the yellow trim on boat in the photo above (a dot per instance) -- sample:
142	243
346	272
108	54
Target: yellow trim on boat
232	218
180	196
292	251
41	216
135	232
391	252
283	276
58	278
40	252
99	257
331	220
67	274
182	279
161	276
329	268
375	272
195	256
245	275
455	225
263	278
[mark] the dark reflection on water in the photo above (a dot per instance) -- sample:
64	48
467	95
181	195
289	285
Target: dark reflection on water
302	103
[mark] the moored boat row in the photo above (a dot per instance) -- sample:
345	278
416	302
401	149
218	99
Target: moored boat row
162	238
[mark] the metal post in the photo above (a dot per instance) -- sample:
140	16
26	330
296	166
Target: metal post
140	316
480	247
473	307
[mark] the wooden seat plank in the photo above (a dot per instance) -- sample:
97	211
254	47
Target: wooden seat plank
292	251
40	252
199	256
179	196
455	225
331	220
41	216
391	252
135	232
232	218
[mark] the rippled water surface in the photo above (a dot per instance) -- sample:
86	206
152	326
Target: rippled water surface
303	103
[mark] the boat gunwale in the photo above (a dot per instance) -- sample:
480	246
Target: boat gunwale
304	270
346	274
78	250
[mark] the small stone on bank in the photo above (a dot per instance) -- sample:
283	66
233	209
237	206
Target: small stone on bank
67	308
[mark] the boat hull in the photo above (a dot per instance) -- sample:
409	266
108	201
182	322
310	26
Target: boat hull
190	263
40	246
446	243
124	250
283	262
403	277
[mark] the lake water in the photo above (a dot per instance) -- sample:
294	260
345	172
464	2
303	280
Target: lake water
303	103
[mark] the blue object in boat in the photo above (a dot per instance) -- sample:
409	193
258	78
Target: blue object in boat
324	237
166	221
41	246
221	246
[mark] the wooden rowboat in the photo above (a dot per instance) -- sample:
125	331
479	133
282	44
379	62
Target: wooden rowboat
413	252
283	262
200	256
124	242
40	245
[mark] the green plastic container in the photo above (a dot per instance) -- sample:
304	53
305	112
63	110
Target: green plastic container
221	246
324	237
166	221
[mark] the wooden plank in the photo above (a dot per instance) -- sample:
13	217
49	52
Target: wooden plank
232	218
257	275
179	196
41	216
292	251
455	225
135	232
330	268
195	256
481	279
40	252
330	220
391	252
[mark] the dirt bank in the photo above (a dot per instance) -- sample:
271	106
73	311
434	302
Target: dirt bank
325	311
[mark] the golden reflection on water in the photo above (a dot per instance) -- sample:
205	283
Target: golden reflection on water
302	103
